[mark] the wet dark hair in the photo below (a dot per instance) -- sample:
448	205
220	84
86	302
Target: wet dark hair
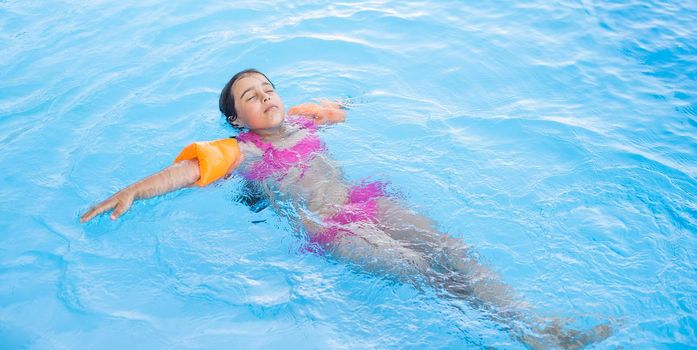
227	101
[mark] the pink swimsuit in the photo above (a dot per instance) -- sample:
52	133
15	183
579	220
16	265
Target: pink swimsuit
278	161
361	206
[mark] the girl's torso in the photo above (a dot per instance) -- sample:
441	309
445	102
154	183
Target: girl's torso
294	168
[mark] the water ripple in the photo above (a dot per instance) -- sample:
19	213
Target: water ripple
556	138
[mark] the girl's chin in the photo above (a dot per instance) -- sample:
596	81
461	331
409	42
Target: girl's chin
271	122
274	123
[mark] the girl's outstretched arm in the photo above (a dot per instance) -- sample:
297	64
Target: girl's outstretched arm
178	175
324	112
198	163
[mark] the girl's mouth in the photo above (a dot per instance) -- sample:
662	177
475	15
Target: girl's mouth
269	108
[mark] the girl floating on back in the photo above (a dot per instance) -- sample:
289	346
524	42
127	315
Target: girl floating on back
283	155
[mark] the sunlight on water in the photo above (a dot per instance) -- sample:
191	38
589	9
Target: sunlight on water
558	139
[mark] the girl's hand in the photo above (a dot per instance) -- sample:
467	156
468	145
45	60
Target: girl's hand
120	202
334	111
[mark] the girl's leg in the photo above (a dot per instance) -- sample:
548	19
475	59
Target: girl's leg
374	251
456	271
459	273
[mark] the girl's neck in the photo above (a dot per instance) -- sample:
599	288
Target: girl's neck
272	135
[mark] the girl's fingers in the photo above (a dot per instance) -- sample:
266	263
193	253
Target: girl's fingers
121	208
98	209
117	212
87	216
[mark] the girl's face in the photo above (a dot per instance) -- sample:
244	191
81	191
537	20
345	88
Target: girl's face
258	106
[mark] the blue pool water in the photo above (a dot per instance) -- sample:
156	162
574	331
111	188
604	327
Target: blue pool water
559	139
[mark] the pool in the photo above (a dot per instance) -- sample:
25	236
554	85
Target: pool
559	139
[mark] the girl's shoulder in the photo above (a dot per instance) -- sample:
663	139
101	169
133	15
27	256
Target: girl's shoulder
252	150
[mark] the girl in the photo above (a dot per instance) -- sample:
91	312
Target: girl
281	154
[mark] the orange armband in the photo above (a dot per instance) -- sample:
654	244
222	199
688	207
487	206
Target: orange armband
215	158
325	111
